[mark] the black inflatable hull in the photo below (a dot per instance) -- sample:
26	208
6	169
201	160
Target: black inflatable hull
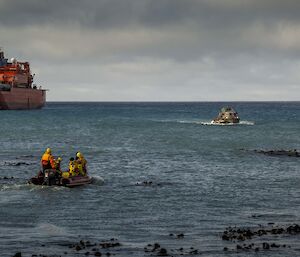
67	182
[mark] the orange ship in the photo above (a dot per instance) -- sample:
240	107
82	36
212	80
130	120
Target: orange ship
16	89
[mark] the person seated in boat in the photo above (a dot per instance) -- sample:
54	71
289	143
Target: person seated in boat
81	163
57	163
47	160
57	166
73	169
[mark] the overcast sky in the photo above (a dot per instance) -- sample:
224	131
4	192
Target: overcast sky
157	50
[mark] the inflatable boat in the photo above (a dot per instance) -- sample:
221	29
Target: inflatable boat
54	178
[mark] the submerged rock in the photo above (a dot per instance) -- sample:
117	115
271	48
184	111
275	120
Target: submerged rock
17	163
180	235
290	153
162	252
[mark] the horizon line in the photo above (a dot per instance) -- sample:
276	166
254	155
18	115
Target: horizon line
167	101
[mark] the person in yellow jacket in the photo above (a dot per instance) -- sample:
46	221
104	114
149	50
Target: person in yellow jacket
73	169
47	160
81	162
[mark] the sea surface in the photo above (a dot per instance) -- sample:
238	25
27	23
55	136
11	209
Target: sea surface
200	178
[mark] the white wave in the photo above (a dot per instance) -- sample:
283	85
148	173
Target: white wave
209	123
244	122
180	121
190	121
165	121
45	187
13	187
50	229
98	180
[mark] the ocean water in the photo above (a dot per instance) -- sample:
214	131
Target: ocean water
204	178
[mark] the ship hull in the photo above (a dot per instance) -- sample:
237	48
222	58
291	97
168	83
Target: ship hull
22	99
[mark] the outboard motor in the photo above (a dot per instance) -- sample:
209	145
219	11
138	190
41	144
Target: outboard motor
50	177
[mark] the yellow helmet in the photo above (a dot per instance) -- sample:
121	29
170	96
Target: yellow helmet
79	155
59	159
48	150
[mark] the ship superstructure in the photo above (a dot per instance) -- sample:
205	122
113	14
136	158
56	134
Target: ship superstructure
17	90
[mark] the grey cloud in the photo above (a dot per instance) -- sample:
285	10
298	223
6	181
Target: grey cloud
120	13
136	49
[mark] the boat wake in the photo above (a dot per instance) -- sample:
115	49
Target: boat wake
241	123
180	121
97	180
7	187
208	123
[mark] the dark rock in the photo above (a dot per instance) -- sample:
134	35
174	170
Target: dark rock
274	245
239	247
241	238
18	254
225	237
162	252
225	249
88	244
266	246
16	163
109	244
78	248
293	229
98	254
194	252
290	153
87	253
156	246
180	235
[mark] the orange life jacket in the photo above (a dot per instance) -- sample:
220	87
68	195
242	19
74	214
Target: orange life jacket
46	159
52	162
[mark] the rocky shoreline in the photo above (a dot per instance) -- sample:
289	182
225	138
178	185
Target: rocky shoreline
242	238
280	152
238	239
